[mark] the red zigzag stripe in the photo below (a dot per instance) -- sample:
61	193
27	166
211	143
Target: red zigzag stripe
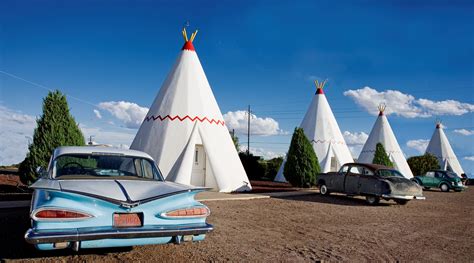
211	121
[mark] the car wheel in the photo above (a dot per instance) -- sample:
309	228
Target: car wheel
401	201
372	200
323	189
444	188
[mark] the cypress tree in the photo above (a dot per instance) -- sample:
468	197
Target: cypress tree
55	127
381	157
302	166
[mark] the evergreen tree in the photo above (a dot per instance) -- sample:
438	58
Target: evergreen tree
419	165
235	140
302	166
56	127
381	157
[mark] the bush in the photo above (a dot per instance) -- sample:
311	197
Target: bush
419	165
302	166
252	165
381	157
272	168
56	127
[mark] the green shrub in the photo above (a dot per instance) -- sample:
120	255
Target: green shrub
419	165
381	157
56	127
253	166
302	166
272	168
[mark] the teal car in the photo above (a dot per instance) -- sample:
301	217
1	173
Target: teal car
444	180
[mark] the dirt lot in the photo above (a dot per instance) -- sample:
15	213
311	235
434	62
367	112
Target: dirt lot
305	228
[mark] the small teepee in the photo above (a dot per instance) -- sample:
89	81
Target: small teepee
320	126
185	133
439	147
382	133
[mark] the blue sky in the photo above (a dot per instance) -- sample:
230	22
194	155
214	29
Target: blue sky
262	53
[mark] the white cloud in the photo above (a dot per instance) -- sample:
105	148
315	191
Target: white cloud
464	132
120	138
469	158
16	130
97	114
419	145
237	120
355	141
131	114
265	154
406	105
445	107
356	138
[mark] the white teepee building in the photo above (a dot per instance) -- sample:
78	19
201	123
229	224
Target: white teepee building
320	127
439	147
185	133
382	133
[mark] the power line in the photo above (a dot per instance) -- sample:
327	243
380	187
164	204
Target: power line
46	88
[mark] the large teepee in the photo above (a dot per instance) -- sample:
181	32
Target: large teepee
320	126
185	133
382	133
439	146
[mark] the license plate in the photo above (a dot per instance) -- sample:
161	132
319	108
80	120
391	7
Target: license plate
128	219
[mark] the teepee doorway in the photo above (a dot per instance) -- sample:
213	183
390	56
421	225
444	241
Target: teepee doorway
198	175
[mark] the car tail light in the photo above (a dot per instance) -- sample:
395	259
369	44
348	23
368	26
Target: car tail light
59	214
200	211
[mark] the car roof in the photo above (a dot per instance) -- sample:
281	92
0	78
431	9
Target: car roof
372	166
98	149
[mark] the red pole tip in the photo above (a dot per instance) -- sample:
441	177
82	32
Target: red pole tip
188	46
319	91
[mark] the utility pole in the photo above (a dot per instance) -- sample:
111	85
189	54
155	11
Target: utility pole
248	132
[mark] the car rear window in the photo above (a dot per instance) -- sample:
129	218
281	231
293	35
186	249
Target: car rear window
389	173
104	166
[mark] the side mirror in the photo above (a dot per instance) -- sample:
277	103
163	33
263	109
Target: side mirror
40	171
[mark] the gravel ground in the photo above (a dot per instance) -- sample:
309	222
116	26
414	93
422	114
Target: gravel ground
304	228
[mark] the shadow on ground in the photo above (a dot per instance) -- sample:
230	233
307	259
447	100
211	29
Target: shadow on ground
13	225
333	199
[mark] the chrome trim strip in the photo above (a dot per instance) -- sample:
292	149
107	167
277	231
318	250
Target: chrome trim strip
34	212
142	201
406	197
164	214
83	234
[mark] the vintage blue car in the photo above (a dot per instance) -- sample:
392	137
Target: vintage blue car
92	197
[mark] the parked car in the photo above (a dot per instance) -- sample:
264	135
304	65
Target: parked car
375	182
93	197
444	180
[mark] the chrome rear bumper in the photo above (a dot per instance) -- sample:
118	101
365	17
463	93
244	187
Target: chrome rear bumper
33	236
405	197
